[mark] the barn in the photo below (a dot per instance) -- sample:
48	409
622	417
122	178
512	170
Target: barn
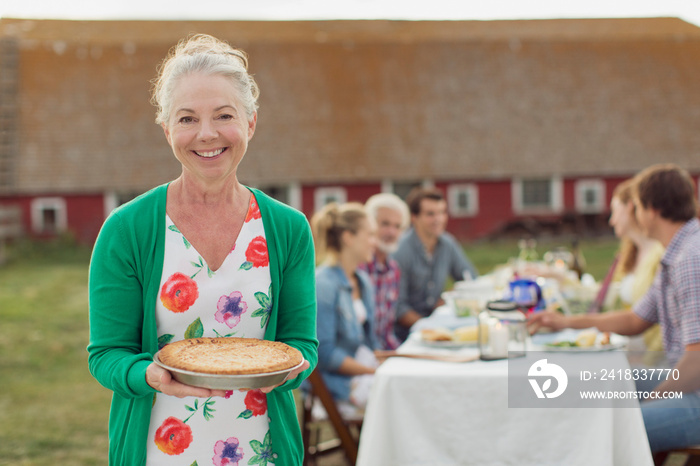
523	124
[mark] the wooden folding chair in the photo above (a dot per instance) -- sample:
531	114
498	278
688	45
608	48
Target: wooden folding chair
347	431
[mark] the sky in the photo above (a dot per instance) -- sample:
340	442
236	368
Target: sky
688	10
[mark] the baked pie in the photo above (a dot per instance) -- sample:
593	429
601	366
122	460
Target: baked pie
230	356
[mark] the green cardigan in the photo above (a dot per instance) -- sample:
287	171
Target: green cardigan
125	275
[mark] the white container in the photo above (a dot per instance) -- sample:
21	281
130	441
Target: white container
502	331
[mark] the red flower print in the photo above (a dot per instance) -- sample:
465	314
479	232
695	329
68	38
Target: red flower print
173	436
253	211
256	254
179	292
256	401
256	404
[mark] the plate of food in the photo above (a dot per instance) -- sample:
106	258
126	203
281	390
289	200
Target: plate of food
229	363
588	340
439	337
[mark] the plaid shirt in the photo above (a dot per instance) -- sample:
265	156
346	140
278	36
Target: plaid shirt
674	298
385	277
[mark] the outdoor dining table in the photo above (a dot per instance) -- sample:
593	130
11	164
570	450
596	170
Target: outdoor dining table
428	412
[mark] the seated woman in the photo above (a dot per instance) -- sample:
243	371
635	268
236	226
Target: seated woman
345	238
637	261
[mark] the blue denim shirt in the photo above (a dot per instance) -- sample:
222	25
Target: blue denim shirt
339	332
423	277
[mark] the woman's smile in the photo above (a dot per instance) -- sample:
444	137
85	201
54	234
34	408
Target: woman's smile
210	154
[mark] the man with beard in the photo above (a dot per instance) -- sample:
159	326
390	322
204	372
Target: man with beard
391	216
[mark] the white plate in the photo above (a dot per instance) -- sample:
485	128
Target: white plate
582	349
449	322
541	341
226	382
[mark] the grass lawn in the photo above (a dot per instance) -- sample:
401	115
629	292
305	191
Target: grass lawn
51	409
598	253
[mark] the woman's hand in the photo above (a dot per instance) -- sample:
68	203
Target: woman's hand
161	380
291	376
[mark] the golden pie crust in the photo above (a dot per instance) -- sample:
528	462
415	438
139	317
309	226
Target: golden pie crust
230	356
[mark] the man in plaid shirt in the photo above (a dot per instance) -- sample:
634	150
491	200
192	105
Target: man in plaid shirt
391	216
667	210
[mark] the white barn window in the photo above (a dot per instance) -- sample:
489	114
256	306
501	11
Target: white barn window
589	196
49	215
326	195
290	193
402	188
463	200
537	195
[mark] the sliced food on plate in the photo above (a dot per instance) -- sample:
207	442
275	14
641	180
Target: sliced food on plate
466	334
585	339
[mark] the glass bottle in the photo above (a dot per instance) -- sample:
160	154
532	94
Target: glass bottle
578	264
502	331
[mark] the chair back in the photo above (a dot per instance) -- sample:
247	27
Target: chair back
349	443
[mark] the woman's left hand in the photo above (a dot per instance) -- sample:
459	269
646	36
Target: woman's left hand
291	376
162	380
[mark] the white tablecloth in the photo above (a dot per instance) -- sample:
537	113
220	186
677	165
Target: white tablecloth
439	413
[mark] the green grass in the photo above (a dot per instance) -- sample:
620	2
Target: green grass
51	410
598	253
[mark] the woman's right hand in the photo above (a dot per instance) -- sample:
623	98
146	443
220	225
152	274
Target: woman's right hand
549	319
161	380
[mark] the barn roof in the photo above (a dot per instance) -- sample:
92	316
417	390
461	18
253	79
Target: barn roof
346	101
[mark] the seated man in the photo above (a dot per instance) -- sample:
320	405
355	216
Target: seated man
666	210
427	255
391	217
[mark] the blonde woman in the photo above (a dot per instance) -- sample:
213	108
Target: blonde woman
638	259
203	255
345	238
639	255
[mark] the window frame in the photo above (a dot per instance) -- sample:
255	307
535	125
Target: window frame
37	208
453	193
581	186
556	194
322	193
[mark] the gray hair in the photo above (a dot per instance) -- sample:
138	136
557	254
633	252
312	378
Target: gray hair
388	201
205	54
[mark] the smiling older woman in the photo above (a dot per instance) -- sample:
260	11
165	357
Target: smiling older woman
202	255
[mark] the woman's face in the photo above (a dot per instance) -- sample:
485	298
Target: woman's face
361	244
208	128
622	217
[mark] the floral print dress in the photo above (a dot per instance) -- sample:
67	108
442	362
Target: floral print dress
194	301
